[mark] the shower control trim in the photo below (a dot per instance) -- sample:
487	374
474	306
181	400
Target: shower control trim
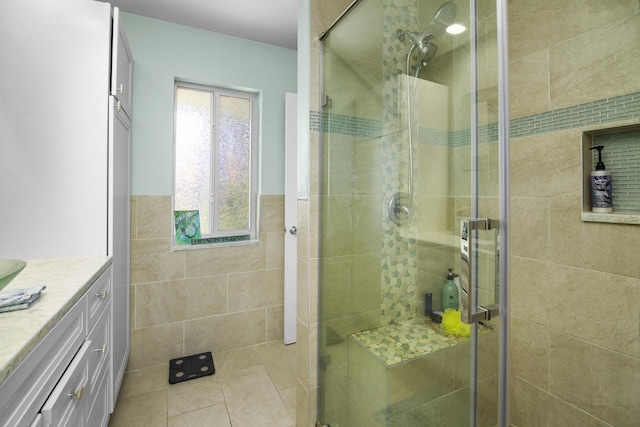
400	208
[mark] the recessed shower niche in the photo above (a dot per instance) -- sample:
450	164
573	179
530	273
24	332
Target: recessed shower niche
621	156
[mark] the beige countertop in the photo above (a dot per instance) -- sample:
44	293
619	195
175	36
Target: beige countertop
66	279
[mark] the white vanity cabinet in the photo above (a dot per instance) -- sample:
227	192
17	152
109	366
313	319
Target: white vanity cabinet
63	381
82	391
26	390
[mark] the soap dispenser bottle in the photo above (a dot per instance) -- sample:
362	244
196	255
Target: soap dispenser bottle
450	293
601	195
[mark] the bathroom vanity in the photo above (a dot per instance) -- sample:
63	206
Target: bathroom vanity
55	358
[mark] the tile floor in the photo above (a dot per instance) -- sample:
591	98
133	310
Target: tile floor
252	387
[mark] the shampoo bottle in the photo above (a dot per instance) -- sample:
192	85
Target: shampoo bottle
450	293
601	195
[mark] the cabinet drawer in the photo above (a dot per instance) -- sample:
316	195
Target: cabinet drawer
98	297
25	391
100	353
68	402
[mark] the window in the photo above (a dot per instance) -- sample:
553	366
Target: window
215	163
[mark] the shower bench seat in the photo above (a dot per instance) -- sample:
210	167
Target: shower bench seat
406	371
401	342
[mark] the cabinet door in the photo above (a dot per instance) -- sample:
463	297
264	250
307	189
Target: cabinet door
121	65
119	153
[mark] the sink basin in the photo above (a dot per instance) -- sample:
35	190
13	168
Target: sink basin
9	269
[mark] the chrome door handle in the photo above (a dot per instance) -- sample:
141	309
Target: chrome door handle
469	313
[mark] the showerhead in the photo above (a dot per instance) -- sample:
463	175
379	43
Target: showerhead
426	49
444	17
436	29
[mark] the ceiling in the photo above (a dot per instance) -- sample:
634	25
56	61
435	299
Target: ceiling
273	22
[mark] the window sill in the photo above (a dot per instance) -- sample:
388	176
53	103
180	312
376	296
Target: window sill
220	245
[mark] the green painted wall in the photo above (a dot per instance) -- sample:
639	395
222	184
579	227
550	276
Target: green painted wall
162	52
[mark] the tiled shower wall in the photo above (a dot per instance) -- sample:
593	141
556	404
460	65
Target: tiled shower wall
187	302
575	286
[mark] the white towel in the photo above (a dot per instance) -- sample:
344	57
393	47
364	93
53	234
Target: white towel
20	298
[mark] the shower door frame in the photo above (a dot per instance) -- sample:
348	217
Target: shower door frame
503	166
502	19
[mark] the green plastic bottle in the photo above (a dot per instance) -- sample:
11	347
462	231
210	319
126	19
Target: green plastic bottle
450	293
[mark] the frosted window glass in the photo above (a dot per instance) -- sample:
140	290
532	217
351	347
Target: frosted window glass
234	163
215	161
193	153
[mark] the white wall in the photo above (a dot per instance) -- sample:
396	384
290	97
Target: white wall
164	51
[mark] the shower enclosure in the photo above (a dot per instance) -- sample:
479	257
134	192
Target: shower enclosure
413	137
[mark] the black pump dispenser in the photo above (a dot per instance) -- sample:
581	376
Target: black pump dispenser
601	194
599	165
450	275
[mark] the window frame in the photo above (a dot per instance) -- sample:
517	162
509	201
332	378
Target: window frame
217	238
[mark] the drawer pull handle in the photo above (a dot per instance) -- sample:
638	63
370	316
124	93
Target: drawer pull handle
119	106
77	395
102	295
121	89
101	350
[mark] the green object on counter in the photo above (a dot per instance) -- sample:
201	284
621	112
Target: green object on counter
9	269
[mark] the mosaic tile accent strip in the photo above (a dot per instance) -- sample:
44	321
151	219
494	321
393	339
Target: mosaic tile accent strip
399	263
368	128
345	125
623	107
397	343
437	137
621	157
608	110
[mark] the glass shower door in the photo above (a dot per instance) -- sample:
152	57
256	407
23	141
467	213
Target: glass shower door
410	154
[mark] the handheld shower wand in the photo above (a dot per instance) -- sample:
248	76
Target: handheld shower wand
400	206
423	44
